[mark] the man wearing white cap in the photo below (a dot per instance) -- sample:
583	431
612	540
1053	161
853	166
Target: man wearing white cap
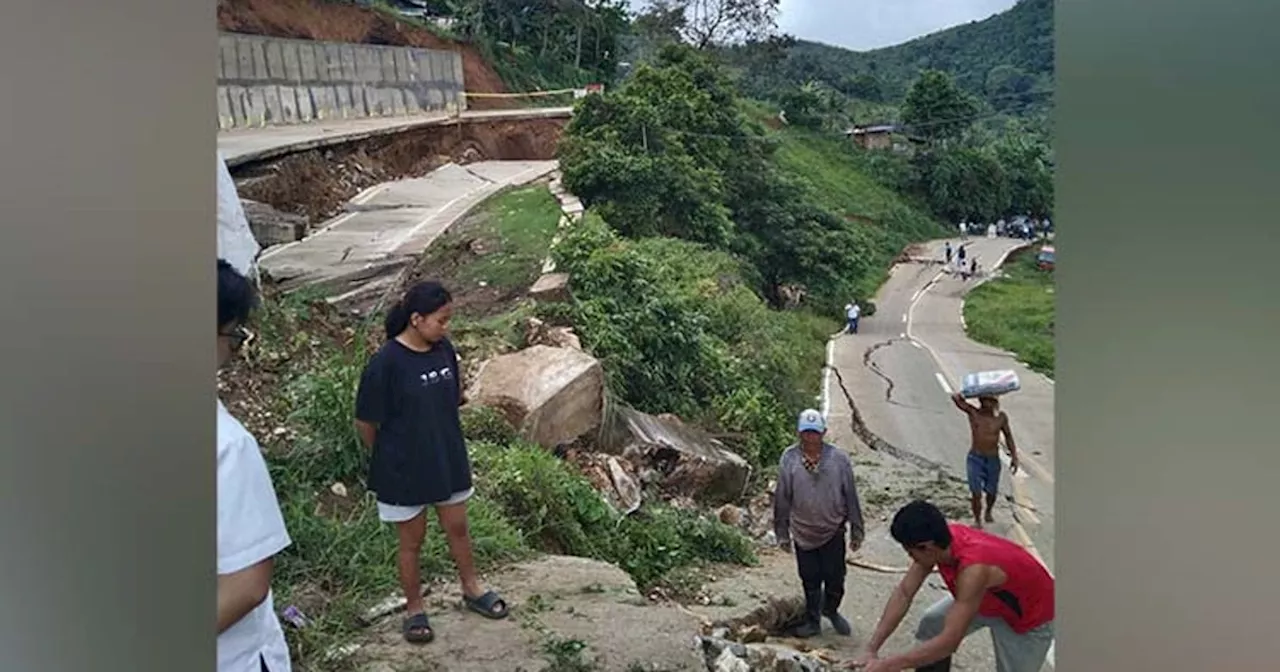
815	498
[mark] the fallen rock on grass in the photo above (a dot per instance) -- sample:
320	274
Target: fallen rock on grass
550	395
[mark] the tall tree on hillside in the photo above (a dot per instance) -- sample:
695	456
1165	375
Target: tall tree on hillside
712	23
1026	162
936	109
670	153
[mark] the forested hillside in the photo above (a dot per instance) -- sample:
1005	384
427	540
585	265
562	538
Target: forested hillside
1006	60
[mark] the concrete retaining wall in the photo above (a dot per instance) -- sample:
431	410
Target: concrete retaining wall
270	81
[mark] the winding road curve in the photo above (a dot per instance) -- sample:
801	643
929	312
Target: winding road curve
908	358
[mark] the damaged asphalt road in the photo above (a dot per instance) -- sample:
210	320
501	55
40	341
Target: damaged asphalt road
890	385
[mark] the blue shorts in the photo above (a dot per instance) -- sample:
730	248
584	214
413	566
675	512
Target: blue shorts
983	472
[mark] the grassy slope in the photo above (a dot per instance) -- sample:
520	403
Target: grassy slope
886	220
1016	313
343	558
522	221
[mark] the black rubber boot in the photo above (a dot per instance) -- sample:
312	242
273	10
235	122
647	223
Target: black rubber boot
839	623
812	625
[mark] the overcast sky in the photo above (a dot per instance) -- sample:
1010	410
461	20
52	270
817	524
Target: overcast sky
869	24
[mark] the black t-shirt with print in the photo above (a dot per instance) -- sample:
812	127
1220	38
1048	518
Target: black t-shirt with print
419	454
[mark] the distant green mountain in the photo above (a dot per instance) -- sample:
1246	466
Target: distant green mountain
1006	59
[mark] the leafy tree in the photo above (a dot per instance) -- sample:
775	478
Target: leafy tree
936	109
966	183
670	152
713	23
813	105
865	86
1026	162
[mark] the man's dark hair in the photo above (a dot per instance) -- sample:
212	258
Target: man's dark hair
236	296
919	522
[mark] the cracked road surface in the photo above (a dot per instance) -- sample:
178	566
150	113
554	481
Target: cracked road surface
387	226
903	365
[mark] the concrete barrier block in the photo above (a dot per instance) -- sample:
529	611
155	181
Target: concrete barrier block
230	60
288	104
403	69
370	64
307	63
346	105
292	63
256	107
397	102
306	107
271	96
225	118
435	99
275	61
347	53
387	66
360	101
258	56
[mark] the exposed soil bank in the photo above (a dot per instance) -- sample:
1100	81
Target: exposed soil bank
317	183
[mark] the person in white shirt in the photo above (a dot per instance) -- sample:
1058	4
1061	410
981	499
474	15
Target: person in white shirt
852	311
251	529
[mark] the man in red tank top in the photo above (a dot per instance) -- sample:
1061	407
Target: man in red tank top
994	583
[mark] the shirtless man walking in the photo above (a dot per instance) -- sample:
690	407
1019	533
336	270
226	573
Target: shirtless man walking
986	423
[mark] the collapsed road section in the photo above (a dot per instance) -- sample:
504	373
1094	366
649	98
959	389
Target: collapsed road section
357	256
346	218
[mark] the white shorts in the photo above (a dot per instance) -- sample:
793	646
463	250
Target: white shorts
393	513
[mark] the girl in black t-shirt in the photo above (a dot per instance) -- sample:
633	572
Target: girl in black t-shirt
407	412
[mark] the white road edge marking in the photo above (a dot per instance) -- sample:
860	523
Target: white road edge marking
943	382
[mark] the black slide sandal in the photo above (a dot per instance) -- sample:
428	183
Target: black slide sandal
417	629
489	605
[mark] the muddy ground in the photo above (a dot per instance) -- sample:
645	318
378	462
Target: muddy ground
318	183
344	22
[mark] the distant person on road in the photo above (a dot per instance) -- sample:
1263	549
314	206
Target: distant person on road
986	424
852	312
948	252
407	412
973	267
815	498
960	254
994	584
251	529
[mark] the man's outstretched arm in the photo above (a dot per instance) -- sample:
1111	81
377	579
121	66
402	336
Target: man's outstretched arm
896	608
971	585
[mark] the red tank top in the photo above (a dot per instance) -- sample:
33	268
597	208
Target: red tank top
1025	599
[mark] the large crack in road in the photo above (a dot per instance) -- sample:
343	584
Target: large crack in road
879	444
876	443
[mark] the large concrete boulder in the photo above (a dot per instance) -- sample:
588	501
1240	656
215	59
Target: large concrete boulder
273	227
687	461
550	287
551	395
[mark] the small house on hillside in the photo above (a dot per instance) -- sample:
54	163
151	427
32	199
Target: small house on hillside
879	136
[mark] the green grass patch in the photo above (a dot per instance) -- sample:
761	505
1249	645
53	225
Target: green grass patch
1016	312
678	330
520	224
528	501
857	185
